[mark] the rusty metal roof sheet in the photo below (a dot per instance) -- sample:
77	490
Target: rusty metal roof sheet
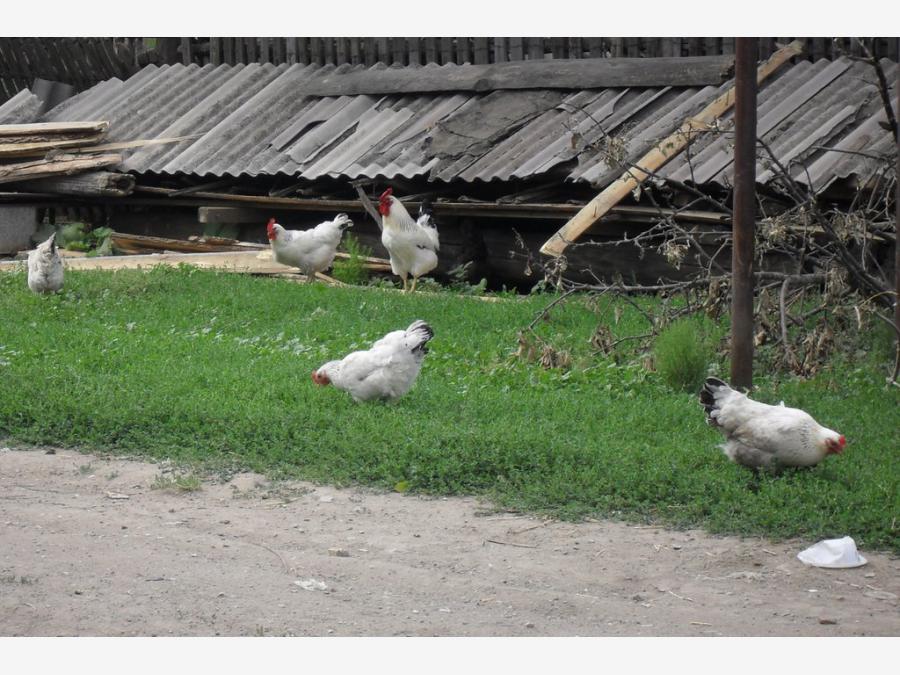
254	120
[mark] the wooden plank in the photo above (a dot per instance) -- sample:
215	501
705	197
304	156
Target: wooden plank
398	50
265	53
576	50
414	50
596	47
250	52
558	47
215	50
370	51
228	50
186	56
728	45
59	166
516	49
655	158
542	74
303	54
53	129
278	50
228	215
463	51
712	45
501	49
92	184
167	48
383	50
617	47
356	51
328	50
535	48
431	50
447	50
290	50
480	54
632	47
341	50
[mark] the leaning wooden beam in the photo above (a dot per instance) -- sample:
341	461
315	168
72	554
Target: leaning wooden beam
91	184
661	153
61	165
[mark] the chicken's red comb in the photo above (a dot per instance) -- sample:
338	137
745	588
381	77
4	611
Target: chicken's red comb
271	221
842	441
387	193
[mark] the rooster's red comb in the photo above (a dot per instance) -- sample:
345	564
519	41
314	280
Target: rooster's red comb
387	193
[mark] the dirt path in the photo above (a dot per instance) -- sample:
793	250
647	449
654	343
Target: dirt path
250	557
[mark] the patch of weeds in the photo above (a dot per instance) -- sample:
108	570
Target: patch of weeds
178	482
112	475
85	469
683	352
352	270
78	237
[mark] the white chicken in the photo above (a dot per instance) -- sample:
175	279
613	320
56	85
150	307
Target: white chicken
386	371
311	250
412	244
45	267
759	435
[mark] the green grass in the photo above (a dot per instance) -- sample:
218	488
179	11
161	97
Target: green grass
213	370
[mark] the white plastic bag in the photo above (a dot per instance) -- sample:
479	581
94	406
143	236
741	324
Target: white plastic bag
833	553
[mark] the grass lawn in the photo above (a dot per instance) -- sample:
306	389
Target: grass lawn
213	370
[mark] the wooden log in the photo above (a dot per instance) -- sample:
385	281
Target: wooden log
656	158
92	184
59	166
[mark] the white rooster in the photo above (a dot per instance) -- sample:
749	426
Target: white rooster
758	435
311	250
386	371
412	244
45	267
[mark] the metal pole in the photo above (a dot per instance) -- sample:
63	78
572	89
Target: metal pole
897	247
744	213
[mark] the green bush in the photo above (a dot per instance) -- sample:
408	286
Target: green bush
682	354
352	270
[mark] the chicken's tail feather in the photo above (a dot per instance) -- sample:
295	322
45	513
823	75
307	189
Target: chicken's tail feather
708	396
420	333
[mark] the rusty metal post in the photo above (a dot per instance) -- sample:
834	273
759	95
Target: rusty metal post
897	245
744	213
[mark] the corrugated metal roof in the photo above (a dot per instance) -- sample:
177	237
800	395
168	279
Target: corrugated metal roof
249	123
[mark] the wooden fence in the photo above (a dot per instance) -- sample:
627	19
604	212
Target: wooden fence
84	61
414	50
78	61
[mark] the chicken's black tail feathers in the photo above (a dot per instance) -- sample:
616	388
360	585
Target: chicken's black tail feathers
708	394
426	214
421	333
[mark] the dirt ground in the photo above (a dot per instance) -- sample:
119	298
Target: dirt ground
89	547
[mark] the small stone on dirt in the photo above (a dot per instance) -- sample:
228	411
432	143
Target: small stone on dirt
339	552
828	622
